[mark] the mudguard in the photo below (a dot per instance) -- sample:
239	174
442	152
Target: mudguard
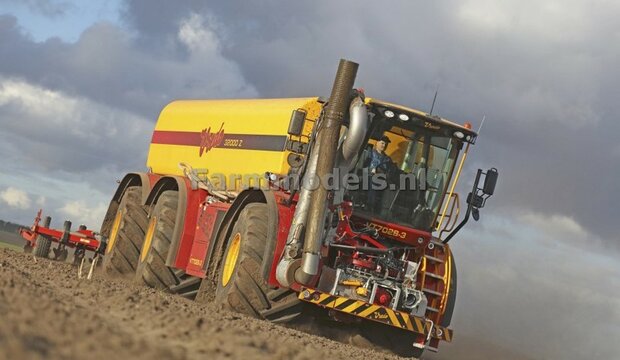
144	180
184	212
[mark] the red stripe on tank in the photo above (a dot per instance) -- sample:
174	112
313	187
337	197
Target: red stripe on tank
188	138
228	141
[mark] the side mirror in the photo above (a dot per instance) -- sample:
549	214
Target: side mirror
479	195
477	198
296	126
490	180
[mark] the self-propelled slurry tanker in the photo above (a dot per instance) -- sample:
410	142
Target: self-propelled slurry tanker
341	207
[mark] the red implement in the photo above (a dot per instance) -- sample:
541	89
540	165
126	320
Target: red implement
82	238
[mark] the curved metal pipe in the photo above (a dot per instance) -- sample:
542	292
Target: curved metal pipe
351	143
355	135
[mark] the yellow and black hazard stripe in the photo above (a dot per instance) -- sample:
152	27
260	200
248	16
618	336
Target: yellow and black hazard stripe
377	313
441	333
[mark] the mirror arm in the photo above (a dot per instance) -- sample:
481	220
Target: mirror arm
469	207
456	230
475	201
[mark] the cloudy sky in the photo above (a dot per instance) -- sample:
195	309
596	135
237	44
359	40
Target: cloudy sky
82	83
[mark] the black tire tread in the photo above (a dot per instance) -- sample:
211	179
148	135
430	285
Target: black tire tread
42	246
153	271
247	291
122	260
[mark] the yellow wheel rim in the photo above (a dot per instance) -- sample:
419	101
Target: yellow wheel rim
148	239
115	226
231	258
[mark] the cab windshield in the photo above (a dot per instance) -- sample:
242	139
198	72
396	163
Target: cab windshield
406	182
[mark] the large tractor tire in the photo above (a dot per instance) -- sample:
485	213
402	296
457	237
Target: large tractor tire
240	284
152	270
126	235
43	244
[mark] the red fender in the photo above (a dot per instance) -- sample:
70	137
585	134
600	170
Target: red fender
185	221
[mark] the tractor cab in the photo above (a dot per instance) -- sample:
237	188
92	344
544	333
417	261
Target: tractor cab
416	169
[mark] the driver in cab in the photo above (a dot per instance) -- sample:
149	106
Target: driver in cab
378	162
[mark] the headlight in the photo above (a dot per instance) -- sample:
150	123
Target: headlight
403	117
459	134
388	113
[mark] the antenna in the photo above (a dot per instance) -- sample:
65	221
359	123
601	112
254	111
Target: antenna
434	98
481	123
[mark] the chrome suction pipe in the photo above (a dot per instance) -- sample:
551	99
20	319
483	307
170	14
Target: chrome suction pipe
327	140
290	259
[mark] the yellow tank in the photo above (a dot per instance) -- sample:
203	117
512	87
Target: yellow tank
227	137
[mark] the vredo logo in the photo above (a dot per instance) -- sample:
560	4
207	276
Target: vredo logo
209	140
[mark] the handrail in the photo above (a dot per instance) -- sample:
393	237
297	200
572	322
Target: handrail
452	217
456	180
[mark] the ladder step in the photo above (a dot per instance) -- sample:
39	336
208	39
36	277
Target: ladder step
433	275
432	292
192	281
433	349
432	309
178	273
434	259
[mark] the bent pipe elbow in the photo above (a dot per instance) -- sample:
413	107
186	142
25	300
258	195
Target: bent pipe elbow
354	138
309	268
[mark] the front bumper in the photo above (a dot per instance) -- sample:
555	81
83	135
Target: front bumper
377	313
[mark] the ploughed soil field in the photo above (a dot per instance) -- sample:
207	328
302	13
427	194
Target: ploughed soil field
46	312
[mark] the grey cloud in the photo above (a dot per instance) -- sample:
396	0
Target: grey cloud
106	66
109	87
51	131
47	8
